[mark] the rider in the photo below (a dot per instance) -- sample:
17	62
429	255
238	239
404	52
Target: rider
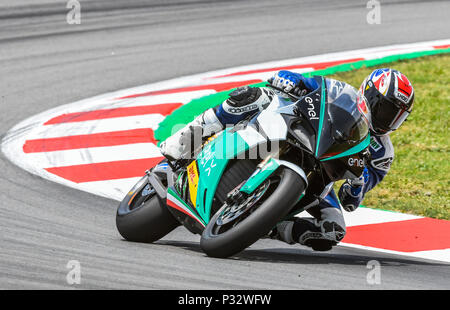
385	98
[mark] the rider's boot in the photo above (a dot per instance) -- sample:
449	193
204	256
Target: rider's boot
319	235
183	141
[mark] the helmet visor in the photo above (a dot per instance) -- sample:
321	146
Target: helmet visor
388	116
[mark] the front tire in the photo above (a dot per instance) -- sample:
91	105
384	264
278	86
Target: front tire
142	216
247	231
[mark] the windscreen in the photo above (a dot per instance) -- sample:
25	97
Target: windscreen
346	127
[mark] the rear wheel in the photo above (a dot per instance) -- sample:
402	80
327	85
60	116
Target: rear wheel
242	221
142	216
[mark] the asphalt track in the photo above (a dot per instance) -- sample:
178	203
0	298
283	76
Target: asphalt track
44	62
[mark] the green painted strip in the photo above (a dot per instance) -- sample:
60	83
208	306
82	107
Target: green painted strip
356	149
189	111
322	115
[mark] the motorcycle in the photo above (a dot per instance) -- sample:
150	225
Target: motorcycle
244	180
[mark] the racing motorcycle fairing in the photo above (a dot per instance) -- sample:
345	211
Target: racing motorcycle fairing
329	135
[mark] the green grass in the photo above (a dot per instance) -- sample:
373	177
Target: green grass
418	181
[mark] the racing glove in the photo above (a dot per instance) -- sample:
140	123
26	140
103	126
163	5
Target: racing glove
293	83
351	192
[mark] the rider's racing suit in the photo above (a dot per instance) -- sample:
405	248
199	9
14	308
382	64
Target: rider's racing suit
327	226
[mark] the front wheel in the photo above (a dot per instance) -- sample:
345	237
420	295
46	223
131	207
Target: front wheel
142	216
237	225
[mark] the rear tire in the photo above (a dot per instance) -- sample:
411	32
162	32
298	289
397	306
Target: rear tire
258	223
142	216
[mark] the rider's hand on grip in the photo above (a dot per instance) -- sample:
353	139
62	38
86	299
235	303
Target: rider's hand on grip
351	192
289	82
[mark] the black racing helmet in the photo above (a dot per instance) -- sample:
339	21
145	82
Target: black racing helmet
386	99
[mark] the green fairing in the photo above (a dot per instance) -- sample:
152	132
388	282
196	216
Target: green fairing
256	179
212	162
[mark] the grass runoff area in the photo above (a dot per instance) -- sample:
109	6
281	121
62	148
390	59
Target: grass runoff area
418	181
